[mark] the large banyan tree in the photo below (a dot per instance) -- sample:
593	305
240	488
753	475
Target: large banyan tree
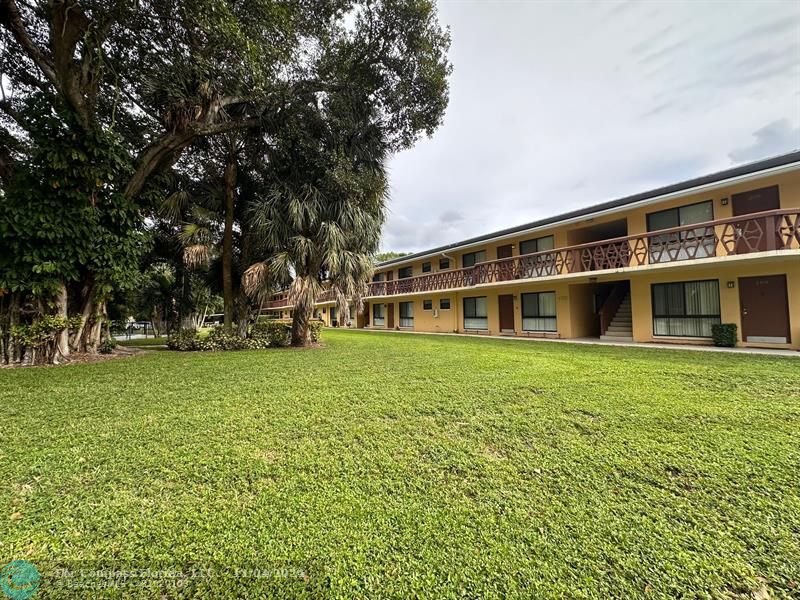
101	96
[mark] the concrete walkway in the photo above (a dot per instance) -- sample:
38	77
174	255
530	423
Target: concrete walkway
599	342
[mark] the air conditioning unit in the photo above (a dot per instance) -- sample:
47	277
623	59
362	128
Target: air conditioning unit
435	313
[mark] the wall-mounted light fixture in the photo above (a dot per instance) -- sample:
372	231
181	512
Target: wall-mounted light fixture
731	284
724	202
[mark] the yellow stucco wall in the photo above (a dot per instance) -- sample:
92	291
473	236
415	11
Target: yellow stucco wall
583	320
641	299
576	316
452	320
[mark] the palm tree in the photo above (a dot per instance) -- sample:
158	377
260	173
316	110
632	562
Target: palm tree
209	209
321	214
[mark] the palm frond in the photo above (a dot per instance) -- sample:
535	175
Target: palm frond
173	206
196	255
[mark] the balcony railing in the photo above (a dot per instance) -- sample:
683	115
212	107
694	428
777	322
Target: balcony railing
746	234
326	296
275	304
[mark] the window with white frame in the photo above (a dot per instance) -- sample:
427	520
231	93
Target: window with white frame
378	315
444	304
475	315
685	308
536	245
539	311
406	314
472	258
539	265
681	245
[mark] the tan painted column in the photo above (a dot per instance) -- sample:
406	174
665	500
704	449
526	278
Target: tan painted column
729	303
793	291
563	325
641	310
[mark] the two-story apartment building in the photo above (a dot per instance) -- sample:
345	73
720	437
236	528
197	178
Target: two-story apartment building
663	265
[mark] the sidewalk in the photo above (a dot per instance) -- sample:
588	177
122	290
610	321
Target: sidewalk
599	342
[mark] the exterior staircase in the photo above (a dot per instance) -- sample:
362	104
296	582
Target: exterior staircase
621	327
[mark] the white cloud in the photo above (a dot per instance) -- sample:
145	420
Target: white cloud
555	106
771	139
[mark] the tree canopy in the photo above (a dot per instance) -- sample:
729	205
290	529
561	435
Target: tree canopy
111	107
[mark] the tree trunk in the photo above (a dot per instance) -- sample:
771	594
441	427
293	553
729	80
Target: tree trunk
90	340
62	342
13	318
184	312
227	241
244	314
300	320
87	304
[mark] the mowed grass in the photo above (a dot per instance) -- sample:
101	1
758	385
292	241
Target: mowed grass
138	342
391	465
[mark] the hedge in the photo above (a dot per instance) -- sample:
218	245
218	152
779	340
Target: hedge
724	334
262	334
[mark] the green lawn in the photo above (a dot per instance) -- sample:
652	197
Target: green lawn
390	465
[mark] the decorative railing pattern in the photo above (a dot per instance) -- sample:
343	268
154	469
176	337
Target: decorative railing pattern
757	232
326	296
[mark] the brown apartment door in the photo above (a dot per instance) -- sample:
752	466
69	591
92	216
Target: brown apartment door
505	270
765	309
753	234
506	303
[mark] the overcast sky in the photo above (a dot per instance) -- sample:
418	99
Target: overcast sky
555	106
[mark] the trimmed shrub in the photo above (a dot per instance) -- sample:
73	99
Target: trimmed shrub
273	333
219	339
262	334
184	340
724	334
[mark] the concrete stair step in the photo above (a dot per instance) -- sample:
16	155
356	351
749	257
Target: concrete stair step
613	338
621	327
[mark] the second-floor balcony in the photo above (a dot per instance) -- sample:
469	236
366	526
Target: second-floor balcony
326	296
776	230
